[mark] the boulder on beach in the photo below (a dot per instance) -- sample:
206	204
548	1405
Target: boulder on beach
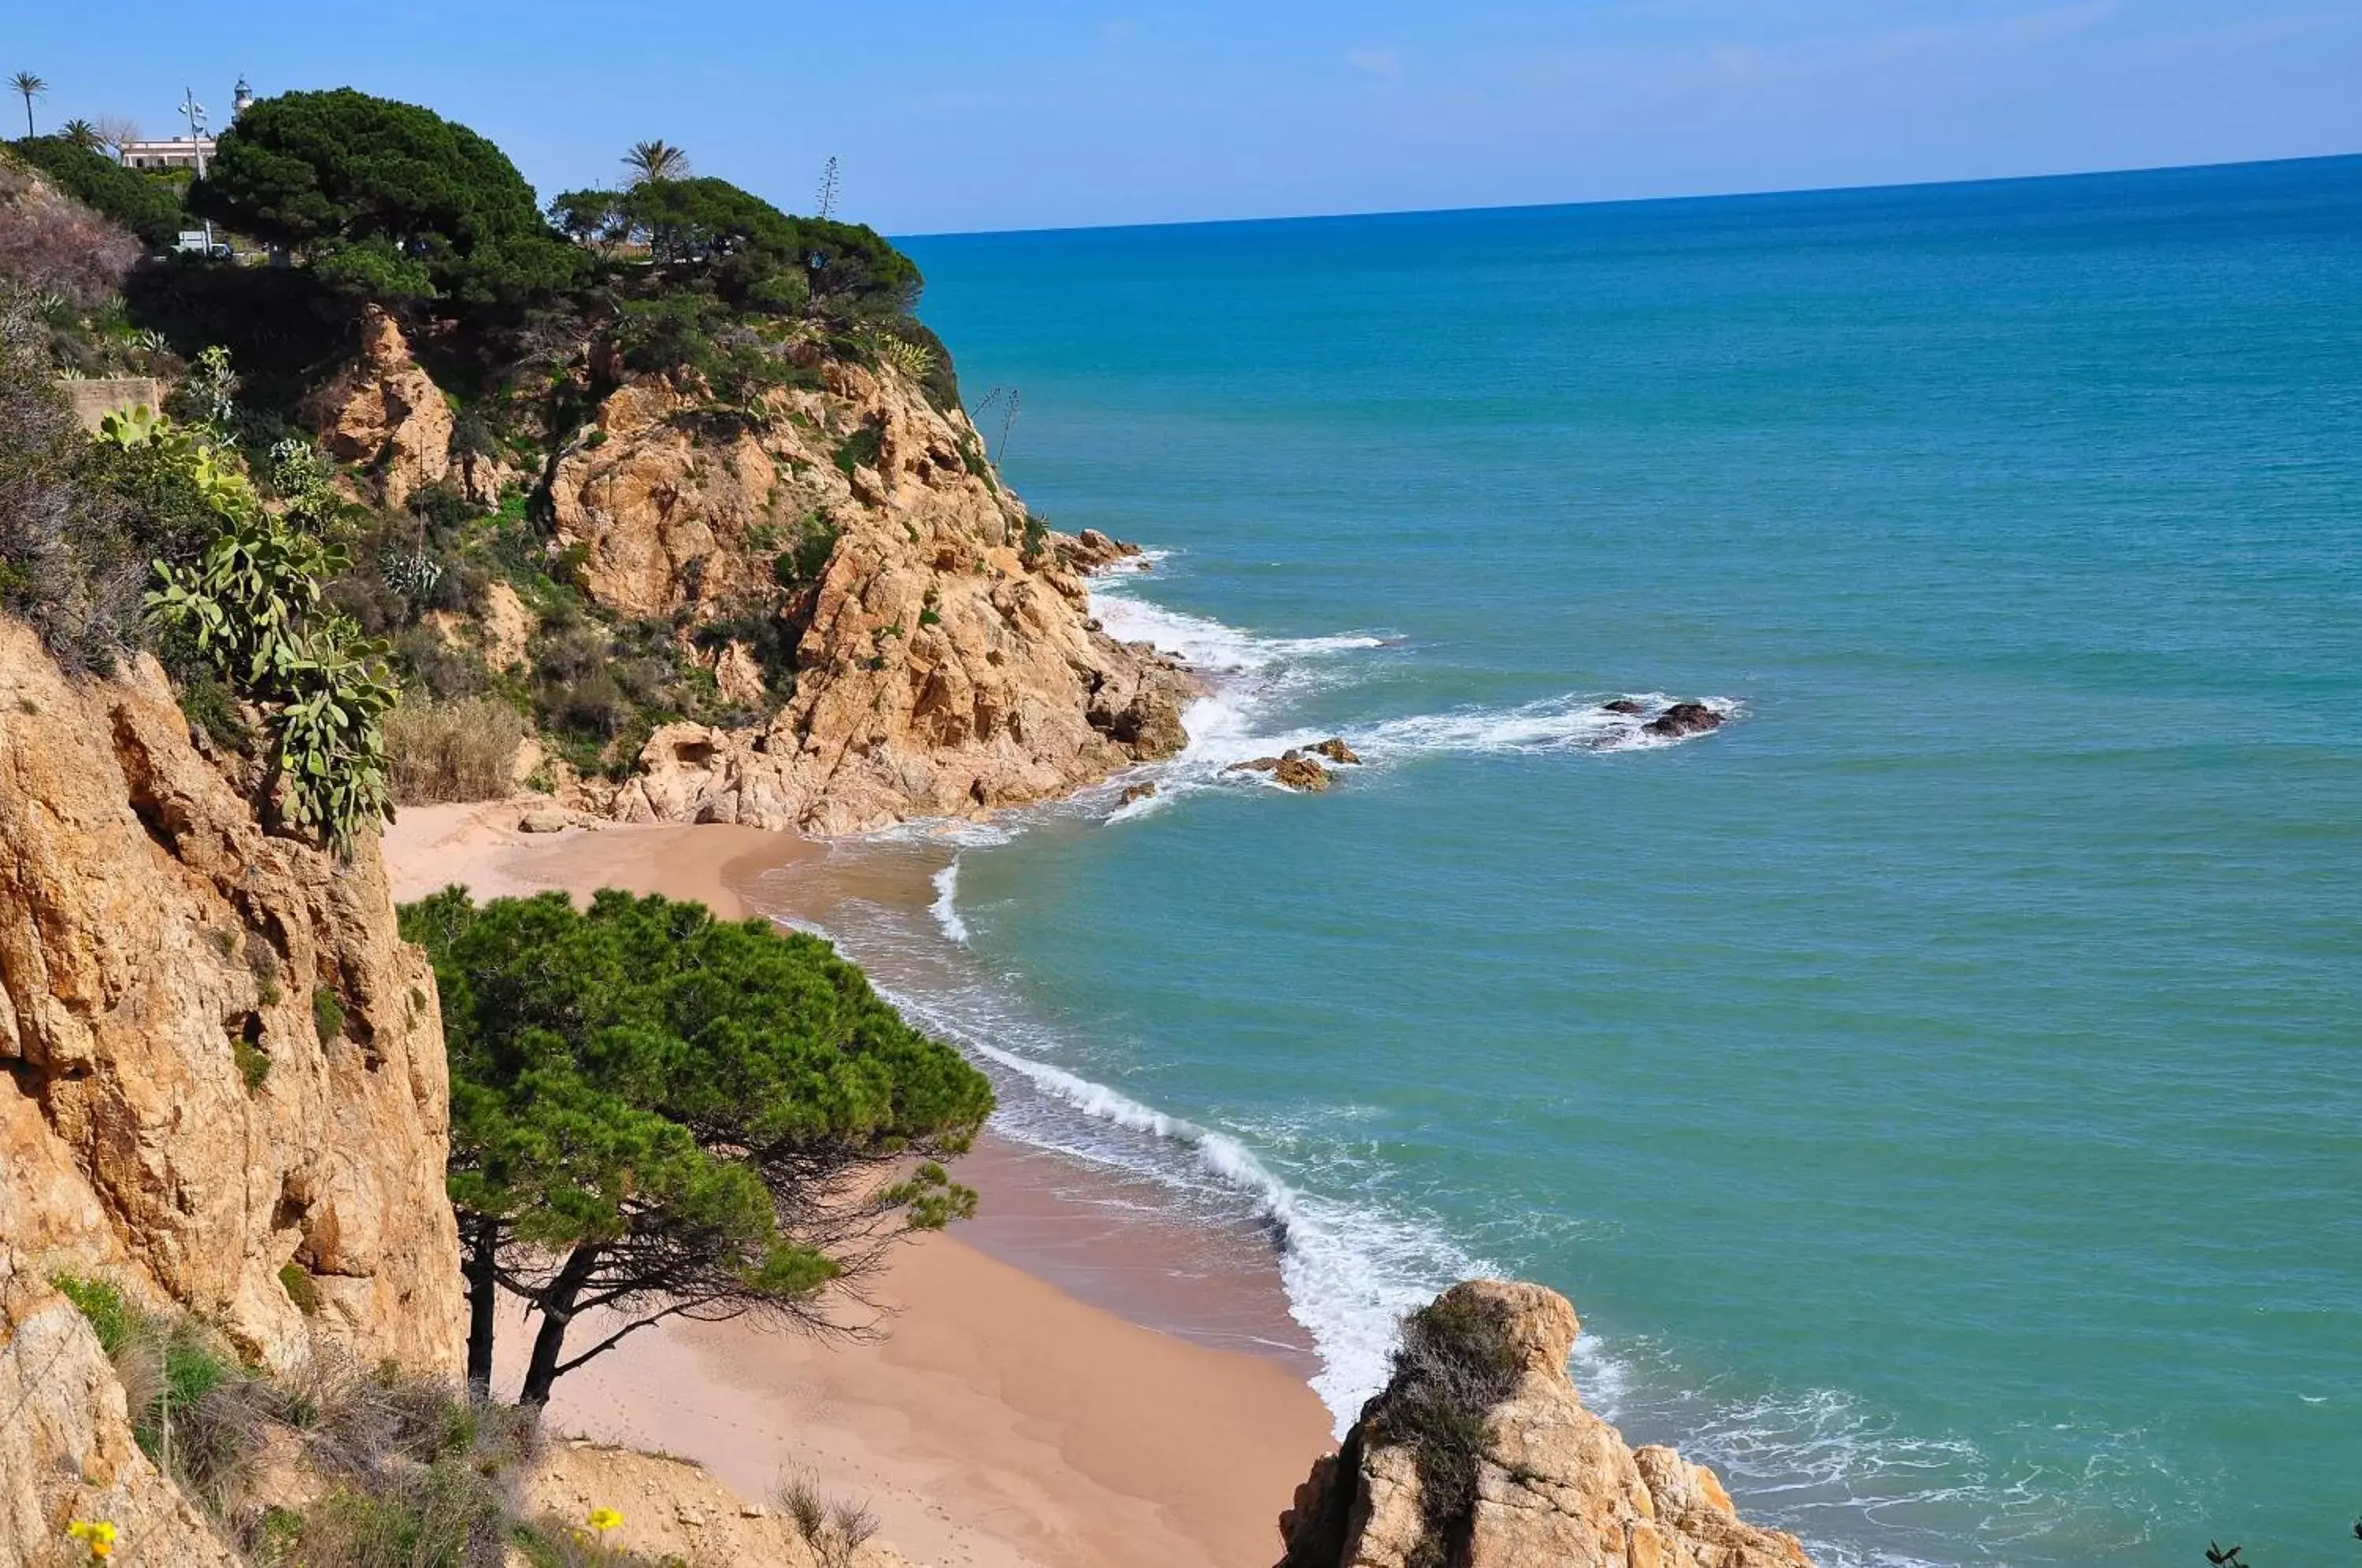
1335	749
1684	719
544	821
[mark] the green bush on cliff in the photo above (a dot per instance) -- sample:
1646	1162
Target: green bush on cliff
658	1113
148	207
753	256
250	609
384	200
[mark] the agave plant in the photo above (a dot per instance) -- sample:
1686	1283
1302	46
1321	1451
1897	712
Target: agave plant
413	574
915	361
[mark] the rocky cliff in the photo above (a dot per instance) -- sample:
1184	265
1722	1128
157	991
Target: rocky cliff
932	650
220	1059
69	1453
1479	1454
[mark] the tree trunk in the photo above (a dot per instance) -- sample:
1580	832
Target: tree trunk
556	1309
481	1272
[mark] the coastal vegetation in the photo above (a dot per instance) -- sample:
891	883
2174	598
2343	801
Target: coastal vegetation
365	1467
658	1114
295	617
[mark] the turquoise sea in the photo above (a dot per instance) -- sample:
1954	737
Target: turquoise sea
1938	1089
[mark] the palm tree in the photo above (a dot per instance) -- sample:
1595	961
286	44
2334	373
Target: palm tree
655	160
32	87
81	133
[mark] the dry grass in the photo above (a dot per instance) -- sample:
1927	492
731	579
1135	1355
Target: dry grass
464	750
834	1530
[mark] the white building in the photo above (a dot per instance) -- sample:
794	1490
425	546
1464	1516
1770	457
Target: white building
180	152
192	153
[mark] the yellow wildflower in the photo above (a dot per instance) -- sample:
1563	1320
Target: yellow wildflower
96	1534
604	1519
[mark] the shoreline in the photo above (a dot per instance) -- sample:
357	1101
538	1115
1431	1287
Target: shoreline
1071	1378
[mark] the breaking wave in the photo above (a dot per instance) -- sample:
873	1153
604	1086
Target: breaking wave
946	909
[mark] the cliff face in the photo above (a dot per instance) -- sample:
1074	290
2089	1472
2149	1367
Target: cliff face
1479	1454
69	1453
219	1056
942	668
944	662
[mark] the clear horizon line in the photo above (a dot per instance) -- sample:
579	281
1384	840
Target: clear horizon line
1762	193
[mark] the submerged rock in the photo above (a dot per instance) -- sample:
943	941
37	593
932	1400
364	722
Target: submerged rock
1480	1454
1684	719
1624	705
1140	792
1335	749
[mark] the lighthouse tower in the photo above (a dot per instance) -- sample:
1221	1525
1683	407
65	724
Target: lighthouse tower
240	100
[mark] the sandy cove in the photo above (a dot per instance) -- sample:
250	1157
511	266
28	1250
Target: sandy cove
1004	1422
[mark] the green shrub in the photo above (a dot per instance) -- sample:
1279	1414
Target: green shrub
253	1067
1456	1361
806	558
193	1409
328	1015
301	1287
111	1318
858	451
453	751
211	708
148	207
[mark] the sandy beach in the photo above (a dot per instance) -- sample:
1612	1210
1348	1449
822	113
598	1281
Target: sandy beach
1068	1381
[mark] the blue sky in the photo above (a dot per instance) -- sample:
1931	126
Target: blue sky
1022	114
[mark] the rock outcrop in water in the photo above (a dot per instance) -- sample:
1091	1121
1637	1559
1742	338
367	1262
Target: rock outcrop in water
221	1058
1684	719
1293	770
1479	1454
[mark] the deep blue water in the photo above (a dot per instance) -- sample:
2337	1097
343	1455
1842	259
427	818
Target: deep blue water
1937	1090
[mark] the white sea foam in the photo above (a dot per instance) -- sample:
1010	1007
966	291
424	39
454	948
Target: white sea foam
1132	565
1210	647
1575	722
1351	1270
946	909
1354	1258
958	833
